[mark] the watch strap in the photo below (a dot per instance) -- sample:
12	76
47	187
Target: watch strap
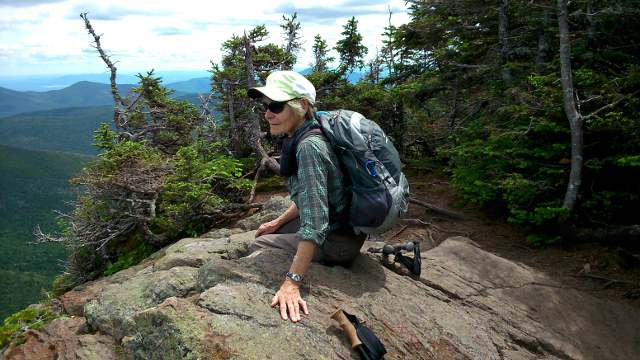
294	277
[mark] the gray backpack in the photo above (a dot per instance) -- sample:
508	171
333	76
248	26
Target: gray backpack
379	189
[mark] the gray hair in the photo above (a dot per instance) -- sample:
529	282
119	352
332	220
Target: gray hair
298	110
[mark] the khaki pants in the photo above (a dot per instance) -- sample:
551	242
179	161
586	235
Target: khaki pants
336	250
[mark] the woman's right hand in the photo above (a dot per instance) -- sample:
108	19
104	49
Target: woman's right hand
268	228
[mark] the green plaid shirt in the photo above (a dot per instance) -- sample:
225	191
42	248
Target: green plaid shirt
318	187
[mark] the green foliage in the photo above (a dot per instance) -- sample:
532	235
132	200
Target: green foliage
104	138
272	183
12	333
542	240
153	184
165	123
496	114
131	258
199	186
320	52
350	47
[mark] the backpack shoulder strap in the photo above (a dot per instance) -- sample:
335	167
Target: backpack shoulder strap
288	163
313	131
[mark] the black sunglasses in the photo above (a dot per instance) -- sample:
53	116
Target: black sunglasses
276	107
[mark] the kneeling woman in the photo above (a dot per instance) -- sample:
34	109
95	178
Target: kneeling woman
315	184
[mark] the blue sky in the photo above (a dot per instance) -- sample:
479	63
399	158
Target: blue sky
48	36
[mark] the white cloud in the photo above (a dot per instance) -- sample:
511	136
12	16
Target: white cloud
27	3
112	12
185	35
326	12
170	31
22	19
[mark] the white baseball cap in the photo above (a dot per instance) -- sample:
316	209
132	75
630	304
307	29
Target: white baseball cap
284	86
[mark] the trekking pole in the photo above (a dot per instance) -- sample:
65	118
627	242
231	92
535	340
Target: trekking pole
393	249
348	327
414	265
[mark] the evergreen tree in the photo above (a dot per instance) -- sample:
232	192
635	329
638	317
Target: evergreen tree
155	182
350	48
481	81
320	55
148	190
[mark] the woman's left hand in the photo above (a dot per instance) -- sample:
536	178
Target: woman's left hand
288	297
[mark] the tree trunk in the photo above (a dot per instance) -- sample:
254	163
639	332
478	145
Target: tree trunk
503	35
119	115
256	138
544	41
248	56
235	139
454	110
575	118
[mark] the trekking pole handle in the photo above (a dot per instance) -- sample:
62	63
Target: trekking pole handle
392	249
347	326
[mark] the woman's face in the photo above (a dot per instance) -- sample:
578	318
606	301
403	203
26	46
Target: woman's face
284	122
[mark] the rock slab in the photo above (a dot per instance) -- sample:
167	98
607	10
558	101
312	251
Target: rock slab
206	298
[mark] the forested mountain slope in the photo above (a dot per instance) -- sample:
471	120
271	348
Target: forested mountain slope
67	130
32	183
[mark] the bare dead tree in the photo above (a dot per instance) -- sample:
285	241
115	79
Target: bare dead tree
291	36
136	194
119	116
265	161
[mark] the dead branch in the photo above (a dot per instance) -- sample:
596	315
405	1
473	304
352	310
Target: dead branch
466	66
425	224
452	214
399	232
431	242
430	234
261	168
245	207
417	235
119	116
596	112
609	281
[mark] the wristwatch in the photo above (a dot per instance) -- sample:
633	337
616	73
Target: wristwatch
295	277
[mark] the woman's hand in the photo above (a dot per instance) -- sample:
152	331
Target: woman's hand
268	227
289	300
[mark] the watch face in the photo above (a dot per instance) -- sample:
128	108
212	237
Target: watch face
295	277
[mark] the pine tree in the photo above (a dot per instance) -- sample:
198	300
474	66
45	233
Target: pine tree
320	55
350	47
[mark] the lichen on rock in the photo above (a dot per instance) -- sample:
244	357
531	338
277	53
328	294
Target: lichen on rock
466	304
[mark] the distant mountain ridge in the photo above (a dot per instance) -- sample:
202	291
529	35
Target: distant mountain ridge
81	94
56	82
